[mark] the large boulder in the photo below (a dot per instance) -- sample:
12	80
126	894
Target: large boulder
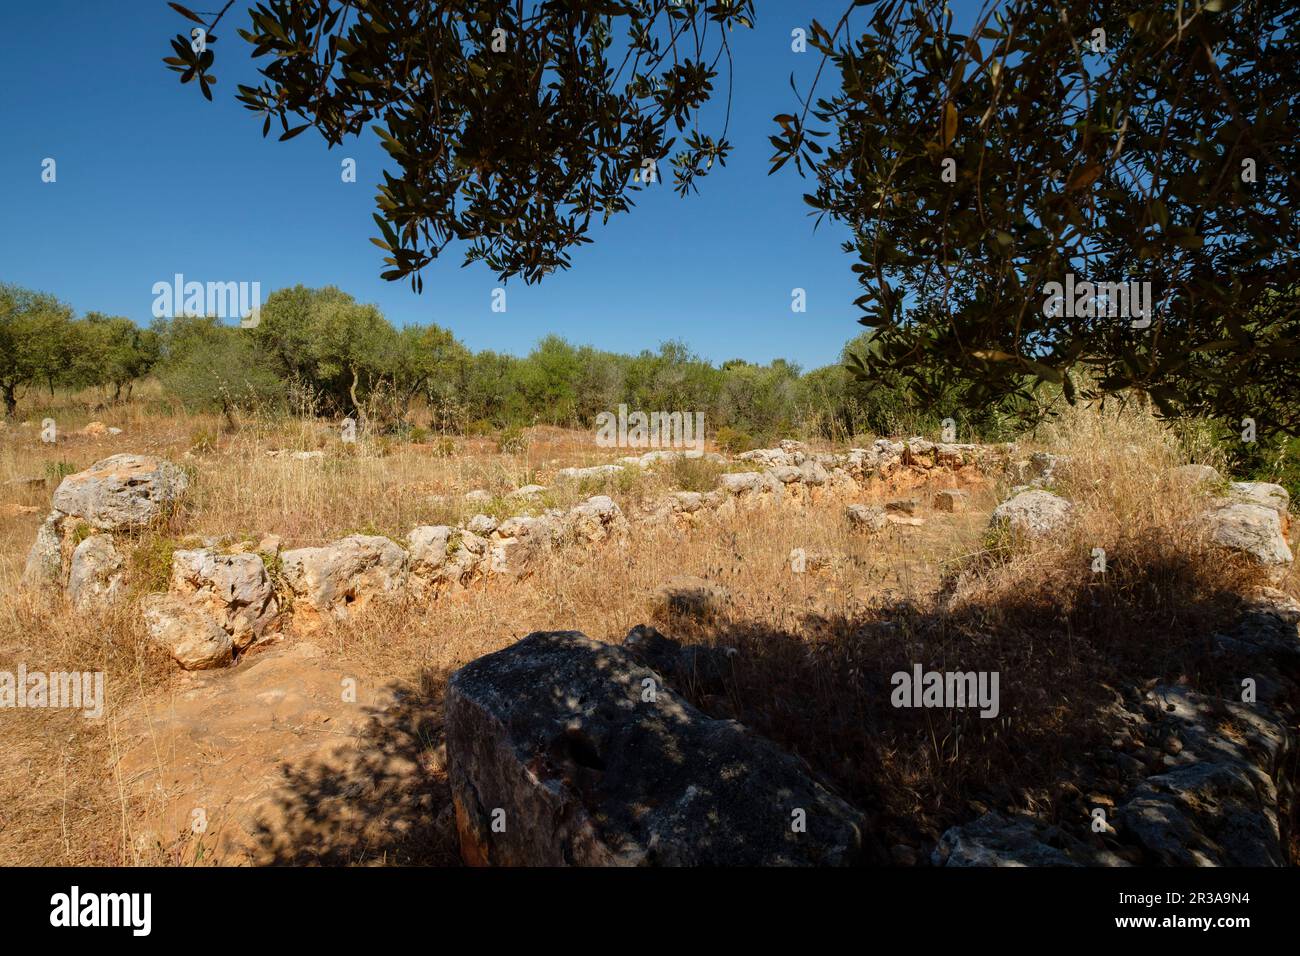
564	751
234	589
1219	804
188	633
1253	530
124	491
346	574
97	572
1033	514
1205	814
427	546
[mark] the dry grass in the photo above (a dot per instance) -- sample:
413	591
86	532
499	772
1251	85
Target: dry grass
817	650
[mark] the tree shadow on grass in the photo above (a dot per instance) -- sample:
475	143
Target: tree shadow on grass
1068	672
1069	664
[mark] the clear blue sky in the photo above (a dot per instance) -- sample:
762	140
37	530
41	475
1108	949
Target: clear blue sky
154	180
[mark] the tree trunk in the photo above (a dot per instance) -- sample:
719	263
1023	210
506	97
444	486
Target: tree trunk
228	410
11	400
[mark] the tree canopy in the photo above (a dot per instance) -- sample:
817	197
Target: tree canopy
977	173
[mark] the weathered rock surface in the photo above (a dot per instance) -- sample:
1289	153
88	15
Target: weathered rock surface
97	572
189	633
346	574
596	519
748	482
120	492
1217	791
994	840
481	524
1253	530
44	566
1261	493
1032	513
1205	814
233	589
556	741
866	518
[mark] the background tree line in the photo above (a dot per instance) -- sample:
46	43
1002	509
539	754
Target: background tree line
320	351
43	347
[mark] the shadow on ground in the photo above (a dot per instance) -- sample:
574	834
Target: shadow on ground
822	689
384	801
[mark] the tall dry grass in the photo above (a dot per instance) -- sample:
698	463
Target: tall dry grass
816	650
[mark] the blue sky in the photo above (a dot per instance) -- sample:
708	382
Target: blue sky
154	180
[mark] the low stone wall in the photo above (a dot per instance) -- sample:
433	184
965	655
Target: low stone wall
217	605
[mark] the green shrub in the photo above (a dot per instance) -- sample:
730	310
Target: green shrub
56	471
202	440
692	474
732	440
150	562
512	441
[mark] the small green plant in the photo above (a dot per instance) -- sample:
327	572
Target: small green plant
692	474
203	440
150	562
56	471
512	441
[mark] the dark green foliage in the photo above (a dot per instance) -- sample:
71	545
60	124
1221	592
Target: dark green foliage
42	345
512	126
972	171
209	365
1169	156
